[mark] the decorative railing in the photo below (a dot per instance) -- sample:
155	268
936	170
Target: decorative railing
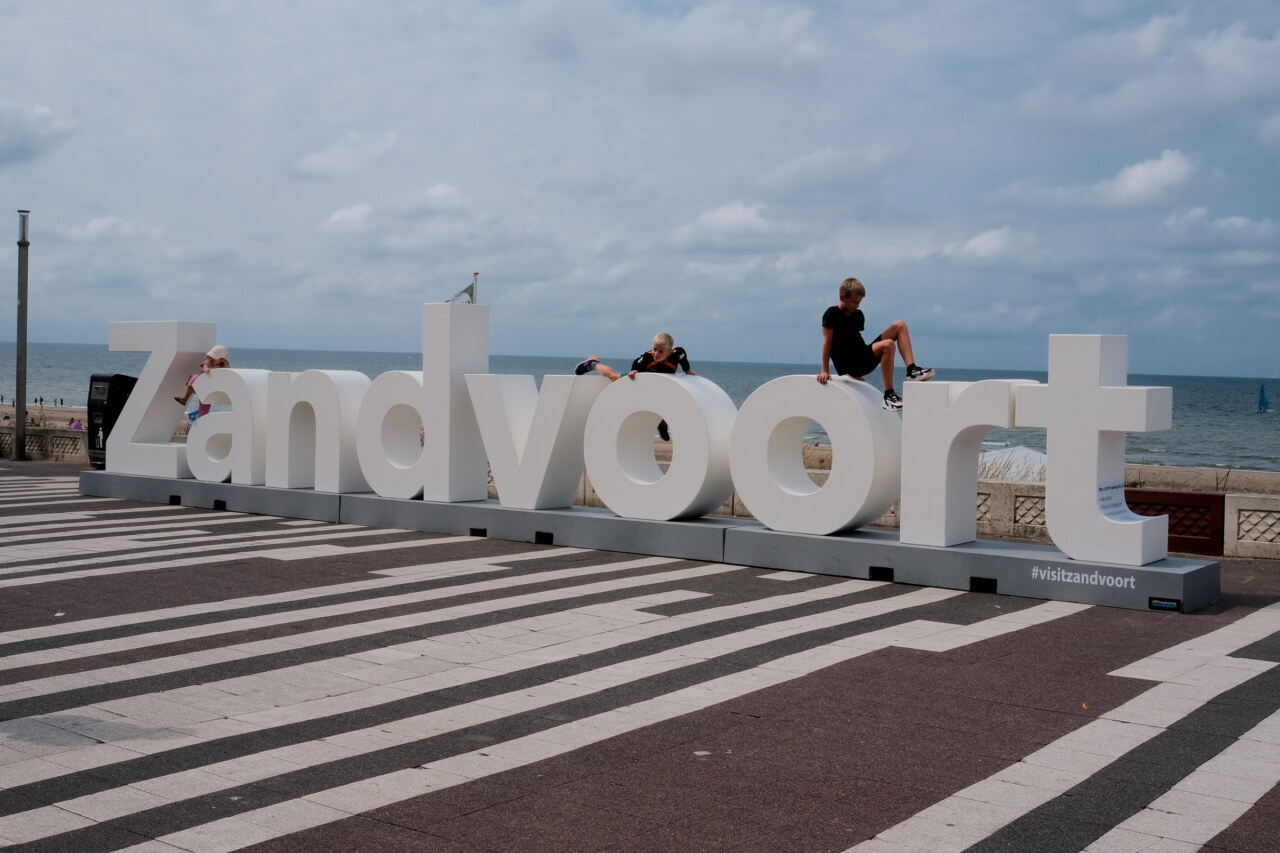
71	445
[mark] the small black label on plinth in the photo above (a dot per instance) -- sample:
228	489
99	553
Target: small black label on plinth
480	531
982	585
220	505
543	537
880	573
1174	604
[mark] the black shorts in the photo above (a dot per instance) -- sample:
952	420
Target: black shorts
859	362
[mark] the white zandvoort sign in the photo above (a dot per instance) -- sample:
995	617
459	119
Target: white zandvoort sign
437	433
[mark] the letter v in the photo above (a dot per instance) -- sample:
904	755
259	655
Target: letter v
534	439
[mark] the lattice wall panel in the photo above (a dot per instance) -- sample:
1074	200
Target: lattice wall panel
1029	509
1258	526
1183	520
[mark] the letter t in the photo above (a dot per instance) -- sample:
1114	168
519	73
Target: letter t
1086	409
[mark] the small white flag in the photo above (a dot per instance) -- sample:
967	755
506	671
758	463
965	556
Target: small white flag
468	294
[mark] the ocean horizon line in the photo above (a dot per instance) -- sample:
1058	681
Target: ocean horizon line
621	359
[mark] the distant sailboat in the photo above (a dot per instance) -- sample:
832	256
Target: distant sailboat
1264	405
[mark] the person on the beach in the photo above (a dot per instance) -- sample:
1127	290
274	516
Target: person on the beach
214	358
843	345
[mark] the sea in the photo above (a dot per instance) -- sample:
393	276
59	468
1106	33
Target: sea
1216	422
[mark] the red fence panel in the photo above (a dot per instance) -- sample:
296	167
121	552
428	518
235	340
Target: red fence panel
1195	518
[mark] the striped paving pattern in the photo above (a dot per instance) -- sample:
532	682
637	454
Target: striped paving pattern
174	679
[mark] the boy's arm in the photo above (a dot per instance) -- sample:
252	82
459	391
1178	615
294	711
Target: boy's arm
825	375
640	364
684	361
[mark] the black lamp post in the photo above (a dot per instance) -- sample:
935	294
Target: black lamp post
20	403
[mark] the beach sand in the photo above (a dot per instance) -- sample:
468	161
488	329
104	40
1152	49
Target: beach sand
47	416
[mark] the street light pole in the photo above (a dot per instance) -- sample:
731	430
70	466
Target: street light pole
20	404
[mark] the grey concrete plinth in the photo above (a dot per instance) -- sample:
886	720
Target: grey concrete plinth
579	527
1008	568
289	503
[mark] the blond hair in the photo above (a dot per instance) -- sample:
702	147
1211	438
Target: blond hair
663	341
852	287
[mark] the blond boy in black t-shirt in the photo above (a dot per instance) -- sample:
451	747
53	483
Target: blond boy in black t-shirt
844	347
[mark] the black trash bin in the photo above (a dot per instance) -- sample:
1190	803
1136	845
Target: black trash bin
107	395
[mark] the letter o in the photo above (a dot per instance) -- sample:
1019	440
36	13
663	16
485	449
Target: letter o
767	462
618	447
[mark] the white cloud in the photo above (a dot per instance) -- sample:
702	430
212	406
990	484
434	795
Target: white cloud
1129	48
1153	38
27	133
437	198
107	227
354	152
732	224
349	220
1146	181
441	233
732	272
996	243
1163	75
1138	184
717	32
701	45
883	247
1182	221
828	168
734	218
1235	230
1242	227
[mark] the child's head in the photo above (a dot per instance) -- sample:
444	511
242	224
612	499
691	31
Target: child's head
851	287
663	344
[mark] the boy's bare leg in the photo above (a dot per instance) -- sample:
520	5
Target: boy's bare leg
885	349
607	372
898	333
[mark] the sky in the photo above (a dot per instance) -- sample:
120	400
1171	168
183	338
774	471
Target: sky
307	174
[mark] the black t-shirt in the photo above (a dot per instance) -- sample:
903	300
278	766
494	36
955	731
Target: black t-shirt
645	362
846	337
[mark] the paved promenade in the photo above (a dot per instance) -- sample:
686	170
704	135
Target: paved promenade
174	679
